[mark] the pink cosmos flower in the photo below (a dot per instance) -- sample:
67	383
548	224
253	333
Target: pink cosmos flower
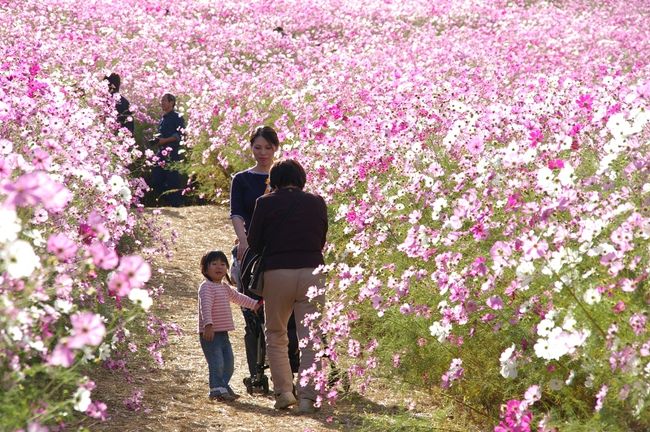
533	394
41	216
62	355
61	246
87	329
638	323
619	307
600	397
455	372
475	146
495	302
36	188
87	233
42	159
37	427
5	168
585	101
118	285
97	410
134	402
515	418
354	348
135	269
103	256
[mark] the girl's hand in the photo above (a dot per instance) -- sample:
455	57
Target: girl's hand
241	248
208	333
258	306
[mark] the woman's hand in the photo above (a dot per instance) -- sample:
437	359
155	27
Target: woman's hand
241	248
208	333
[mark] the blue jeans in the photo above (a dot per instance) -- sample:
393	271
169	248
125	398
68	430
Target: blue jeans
221	362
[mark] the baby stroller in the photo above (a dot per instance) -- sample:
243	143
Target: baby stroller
258	382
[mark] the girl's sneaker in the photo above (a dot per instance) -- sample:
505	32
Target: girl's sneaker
222	397
232	393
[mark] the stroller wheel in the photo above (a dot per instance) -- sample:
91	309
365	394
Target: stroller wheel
248	382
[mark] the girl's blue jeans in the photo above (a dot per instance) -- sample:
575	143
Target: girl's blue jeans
221	362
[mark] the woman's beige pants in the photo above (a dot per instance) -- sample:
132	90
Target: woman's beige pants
285	290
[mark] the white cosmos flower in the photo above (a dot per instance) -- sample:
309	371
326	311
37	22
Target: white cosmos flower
591	296
141	297
36	236
641	118
63	306
566	175
508	363
541	348
15	333
525	268
507	353
509	369
104	351
570	378
546	179
125	194
439	330
82	399
618	126
121	213
116	183
10	225
545	326
437	207
19	259
569	323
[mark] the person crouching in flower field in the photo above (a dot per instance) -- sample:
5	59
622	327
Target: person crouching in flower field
215	321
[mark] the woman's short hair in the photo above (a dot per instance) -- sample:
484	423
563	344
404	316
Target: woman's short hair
210	257
287	172
268	133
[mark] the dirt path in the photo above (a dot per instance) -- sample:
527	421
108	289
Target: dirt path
175	395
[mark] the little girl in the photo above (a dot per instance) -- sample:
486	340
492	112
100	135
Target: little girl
215	321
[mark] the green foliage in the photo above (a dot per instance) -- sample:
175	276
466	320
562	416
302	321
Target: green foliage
37	389
211	165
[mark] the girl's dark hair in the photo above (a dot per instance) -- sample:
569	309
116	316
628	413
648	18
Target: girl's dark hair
210	257
287	172
268	133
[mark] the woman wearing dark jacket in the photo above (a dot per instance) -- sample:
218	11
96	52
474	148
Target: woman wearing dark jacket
289	226
247	186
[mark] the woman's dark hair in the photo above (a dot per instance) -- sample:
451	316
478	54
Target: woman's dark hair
287	172
170	98
268	133
210	257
